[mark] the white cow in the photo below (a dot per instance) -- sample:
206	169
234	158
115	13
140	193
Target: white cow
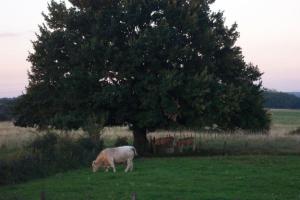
109	156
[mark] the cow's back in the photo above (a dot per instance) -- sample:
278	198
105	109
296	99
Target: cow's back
121	154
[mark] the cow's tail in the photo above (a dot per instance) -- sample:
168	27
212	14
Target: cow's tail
134	150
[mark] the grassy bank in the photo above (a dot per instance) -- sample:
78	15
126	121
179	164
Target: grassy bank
204	178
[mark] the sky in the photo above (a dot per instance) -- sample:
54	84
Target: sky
269	29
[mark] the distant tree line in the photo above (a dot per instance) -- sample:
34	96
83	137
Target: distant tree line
297	94
275	99
6	108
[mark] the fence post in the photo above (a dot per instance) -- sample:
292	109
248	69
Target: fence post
224	147
43	196
133	196
154	145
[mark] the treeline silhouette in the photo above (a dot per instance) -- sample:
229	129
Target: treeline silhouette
295	93
281	100
6	108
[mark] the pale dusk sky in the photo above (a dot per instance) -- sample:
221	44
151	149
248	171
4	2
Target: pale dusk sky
269	29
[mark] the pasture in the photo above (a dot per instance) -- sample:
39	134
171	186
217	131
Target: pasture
286	118
202	178
246	176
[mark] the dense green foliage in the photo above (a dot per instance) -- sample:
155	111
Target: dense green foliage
121	141
48	154
205	178
6	109
274	99
149	64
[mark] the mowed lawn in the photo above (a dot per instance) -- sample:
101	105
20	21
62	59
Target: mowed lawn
203	178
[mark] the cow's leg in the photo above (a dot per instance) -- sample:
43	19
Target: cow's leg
131	165
112	164
128	165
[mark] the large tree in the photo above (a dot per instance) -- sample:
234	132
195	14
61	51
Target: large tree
148	64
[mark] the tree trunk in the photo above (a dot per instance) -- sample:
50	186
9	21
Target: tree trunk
140	141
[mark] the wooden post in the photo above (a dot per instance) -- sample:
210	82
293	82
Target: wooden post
133	196
154	145
224	147
43	196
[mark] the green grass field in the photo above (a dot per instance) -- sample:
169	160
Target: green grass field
286	117
203	178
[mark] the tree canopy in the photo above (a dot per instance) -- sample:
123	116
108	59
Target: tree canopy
149	64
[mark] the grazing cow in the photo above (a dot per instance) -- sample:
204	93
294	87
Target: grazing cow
184	142
109	156
165	141
163	144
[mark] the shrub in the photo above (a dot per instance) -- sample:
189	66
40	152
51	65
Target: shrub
46	155
20	168
295	132
90	149
43	146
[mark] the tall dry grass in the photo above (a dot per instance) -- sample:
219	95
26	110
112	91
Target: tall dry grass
15	137
278	138
277	141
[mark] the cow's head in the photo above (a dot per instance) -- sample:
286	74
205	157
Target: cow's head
95	166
